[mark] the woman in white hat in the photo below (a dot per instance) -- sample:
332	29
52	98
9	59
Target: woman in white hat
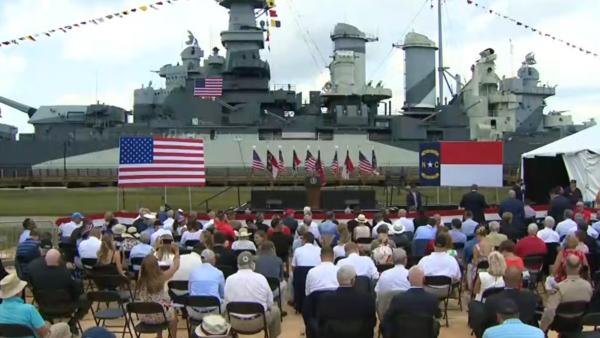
14	310
130	239
243	242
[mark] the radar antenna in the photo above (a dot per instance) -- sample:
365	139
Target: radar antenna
192	41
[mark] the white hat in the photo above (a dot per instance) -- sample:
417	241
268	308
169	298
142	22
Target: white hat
397	229
11	286
244	232
213	326
361	218
131	232
118	229
150	215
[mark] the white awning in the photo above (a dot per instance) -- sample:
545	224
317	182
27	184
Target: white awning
587	139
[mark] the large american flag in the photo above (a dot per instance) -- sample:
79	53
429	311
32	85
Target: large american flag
161	162
257	163
364	165
309	161
209	87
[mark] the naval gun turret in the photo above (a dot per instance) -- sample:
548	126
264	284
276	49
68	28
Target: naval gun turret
18	106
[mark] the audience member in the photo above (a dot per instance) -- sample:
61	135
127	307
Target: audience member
516	207
143	248
308	254
469	225
377	222
532	244
425	232
415	301
130	239
363	265
571	289
495	237
548	235
334	305
151	288
211	220
573	194
567	224
560	272
159	232
492	278
381	248
289	221
169	221
456	233
413	198
507	248
558	204
396	278
206	280
260	222
474	202
28	225
109	257
163	250
324	275
29	249
439	262
259	237
338	250
225	228
189	262
109	221
66	229
140	223
14	310
281	240
328	229
407	224
507	227
580	209
267	263
192	233
362	229
224	254
248	286
89	247
243	242
511	326
277	224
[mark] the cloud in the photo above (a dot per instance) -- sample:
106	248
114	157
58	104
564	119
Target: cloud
11	66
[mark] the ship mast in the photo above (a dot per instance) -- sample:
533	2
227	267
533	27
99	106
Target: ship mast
440	56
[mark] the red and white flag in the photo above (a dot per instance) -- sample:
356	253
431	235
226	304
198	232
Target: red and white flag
319	169
465	163
348	166
296	162
272	165
309	162
161	162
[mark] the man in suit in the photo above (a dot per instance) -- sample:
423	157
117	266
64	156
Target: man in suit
573	193
413	199
516	207
475	202
526	301
558	204
346	312
414	301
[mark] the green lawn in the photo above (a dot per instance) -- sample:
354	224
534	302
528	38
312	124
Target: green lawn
49	202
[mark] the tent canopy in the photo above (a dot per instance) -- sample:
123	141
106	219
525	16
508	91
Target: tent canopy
587	139
580	153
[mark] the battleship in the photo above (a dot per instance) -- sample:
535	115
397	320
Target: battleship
348	112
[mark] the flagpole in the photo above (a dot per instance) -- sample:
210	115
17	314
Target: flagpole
190	198
117	199
165	189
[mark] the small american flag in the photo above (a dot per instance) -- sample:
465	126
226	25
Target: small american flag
257	163
309	162
161	162
363	164
335	164
209	87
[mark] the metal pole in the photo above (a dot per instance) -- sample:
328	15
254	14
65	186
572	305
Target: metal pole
166	194
117	209
239	202
65	158
440	56
190	198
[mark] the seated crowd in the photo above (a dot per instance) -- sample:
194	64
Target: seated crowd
345	279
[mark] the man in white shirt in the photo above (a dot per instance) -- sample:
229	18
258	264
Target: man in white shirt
168	223
312	226
469	225
396	278
308	254
580	221
439	262
248	286
160	231
89	248
243	242
211	220
563	227
547	234
324	275
408	224
363	265
378	221
66	229
187	263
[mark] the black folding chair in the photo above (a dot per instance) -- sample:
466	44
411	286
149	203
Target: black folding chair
15	331
88	267
190	244
412	325
147	308
535	265
100	316
226	270
382	267
178	291
275	285
337	259
412	261
490	292
117	283
299	281
68	251
199	302
56	304
246	309
569	318
440	286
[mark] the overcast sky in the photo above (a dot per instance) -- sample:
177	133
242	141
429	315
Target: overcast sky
120	53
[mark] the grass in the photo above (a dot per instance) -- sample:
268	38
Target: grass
51	202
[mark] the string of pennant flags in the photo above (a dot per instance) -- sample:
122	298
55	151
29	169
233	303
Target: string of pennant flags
533	29
273	20
275	165
94	21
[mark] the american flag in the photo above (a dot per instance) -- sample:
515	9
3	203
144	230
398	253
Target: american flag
295	161
335	164
209	87
281	165
161	162
309	162
257	163
348	166
364	165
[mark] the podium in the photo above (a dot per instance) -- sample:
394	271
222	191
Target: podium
313	186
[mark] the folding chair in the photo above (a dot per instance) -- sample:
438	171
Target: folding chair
199	302
117	283
56	304
15	331
535	265
440	286
275	285
178	291
147	308
382	267
247	309
88	267
568	321
100	316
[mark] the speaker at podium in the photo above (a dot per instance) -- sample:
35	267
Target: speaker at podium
313	186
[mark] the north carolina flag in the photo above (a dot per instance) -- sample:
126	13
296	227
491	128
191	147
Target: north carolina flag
465	163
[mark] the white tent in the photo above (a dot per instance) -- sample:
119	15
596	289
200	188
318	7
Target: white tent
581	154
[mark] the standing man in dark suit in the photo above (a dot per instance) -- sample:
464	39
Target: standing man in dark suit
474	202
558	204
346	312
516	207
414	301
413	199
573	194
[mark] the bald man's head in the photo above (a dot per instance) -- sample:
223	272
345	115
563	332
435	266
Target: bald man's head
513	277
416	276
573	265
52	257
